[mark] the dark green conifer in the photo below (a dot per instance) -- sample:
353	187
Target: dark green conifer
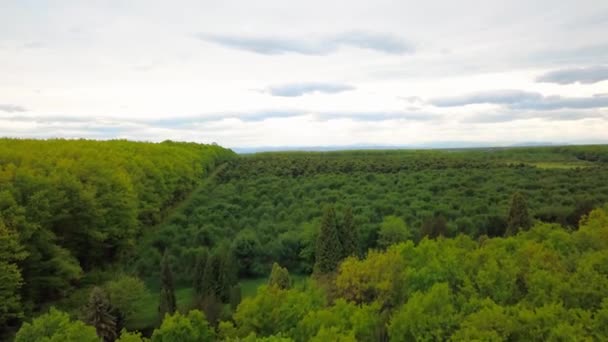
199	272
98	313
519	218
211	285
328	247
235	297
348	234
167	288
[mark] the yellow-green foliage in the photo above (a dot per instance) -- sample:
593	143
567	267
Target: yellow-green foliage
78	204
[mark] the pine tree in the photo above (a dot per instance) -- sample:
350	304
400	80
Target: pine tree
235	297
227	273
211	285
167	289
279	277
98	313
519	218
348	234
329	250
199	272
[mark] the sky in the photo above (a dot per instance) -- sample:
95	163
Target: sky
306	73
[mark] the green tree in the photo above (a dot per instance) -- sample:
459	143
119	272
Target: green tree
392	231
192	327
518	218
227	273
127	336
247	249
235	296
212	285
348	234
428	316
490	323
199	272
125	292
11	252
279	277
56	326
98	313
434	227
167	290
329	250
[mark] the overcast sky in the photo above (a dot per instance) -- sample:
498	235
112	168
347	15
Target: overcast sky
306	73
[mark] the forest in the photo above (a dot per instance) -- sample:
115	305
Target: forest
128	241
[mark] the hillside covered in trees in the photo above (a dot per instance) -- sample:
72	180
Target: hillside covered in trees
71	206
128	241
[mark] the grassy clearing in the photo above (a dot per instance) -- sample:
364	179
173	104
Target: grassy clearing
561	165
147	315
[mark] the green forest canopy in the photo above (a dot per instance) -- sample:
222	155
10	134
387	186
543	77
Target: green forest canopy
427	234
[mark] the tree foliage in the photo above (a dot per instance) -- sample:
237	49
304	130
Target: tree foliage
191	327
329	249
167	288
279	277
98	313
55	326
518	218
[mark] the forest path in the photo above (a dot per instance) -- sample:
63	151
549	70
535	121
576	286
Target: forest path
179	207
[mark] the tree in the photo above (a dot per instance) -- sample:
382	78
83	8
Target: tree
167	289
518	218
98	313
56	326
348	234
127	336
212	285
235	296
125	292
329	250
392	231
279	277
199	272
434	227
227	272
428	316
247	248
190	327
11	252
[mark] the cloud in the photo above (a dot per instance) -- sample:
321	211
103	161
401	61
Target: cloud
524	100
586	75
274	45
510	115
299	89
489	97
590	53
258	116
9	108
374	116
254	116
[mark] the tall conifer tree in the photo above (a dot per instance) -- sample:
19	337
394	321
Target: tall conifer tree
199	272
519	218
167	288
348	234
98	313
329	249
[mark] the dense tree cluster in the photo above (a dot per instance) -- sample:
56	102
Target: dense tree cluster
547	283
455	245
544	284
67	206
269	214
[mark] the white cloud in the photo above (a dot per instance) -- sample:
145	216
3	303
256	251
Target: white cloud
341	72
